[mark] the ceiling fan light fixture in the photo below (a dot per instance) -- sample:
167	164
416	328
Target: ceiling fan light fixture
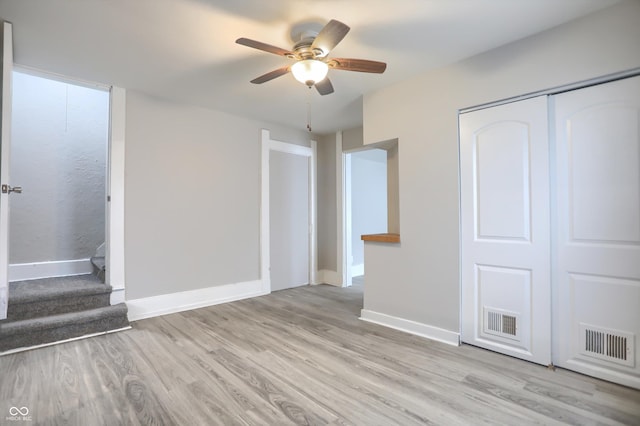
309	71
311	53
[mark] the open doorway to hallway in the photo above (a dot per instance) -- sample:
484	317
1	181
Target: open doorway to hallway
365	204
59	156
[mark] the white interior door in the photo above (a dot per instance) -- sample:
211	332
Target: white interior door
504	164
596	267
5	135
290	215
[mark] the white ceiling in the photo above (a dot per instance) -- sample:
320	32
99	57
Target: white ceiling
185	50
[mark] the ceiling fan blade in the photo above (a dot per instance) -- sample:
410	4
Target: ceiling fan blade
330	36
360	65
271	75
263	46
324	87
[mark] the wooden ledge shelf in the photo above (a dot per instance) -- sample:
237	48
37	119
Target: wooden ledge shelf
381	238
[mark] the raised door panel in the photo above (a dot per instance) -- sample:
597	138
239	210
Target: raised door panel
501	181
603	175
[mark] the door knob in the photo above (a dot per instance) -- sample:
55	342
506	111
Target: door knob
6	189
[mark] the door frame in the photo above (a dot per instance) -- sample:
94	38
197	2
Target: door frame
114	235
269	145
347	259
6	38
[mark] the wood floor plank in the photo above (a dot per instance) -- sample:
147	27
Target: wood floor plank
581	404
326	390
298	356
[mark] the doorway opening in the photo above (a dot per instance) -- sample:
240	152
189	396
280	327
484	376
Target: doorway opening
288	254
368	177
59	156
365	205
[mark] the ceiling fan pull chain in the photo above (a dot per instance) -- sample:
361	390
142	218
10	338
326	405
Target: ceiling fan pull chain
309	110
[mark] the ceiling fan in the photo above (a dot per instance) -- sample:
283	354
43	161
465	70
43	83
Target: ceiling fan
310	54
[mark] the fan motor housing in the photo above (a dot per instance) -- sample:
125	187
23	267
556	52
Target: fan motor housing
303	50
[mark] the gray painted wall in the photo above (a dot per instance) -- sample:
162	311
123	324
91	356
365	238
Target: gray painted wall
352	139
192	196
368	198
59	152
419	278
327	214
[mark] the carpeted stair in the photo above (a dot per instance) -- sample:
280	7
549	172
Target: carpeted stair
54	309
99	267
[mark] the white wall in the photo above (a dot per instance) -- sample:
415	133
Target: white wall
59	151
419	280
368	198
192	196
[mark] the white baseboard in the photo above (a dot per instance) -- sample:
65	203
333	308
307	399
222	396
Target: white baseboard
326	276
154	306
117	296
357	270
61	268
411	327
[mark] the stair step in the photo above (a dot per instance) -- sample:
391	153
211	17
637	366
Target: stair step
53	296
100	266
99	262
52	328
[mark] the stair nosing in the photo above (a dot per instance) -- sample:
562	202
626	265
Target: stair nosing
59	320
46	295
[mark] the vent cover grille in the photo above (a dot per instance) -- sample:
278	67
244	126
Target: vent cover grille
501	323
609	345
509	324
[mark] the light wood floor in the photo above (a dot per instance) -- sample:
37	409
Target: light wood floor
296	356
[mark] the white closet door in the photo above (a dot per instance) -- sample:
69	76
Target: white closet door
290	219
504	158
596	267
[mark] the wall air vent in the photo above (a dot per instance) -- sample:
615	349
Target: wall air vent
608	345
501	323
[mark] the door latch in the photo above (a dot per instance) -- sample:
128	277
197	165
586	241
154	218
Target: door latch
6	189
